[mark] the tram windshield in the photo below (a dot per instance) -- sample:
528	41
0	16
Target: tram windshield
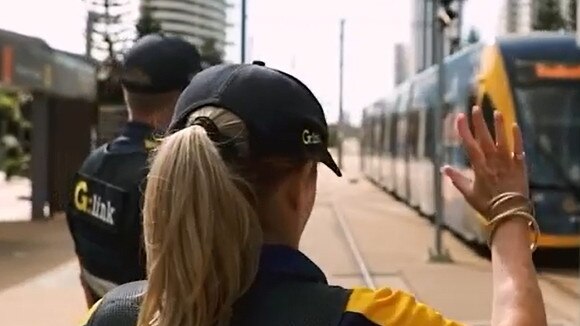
550	119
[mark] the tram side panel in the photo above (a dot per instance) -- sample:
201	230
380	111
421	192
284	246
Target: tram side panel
421	187
369	149
414	171
380	175
388	167
363	143
425	185
458	215
376	147
400	160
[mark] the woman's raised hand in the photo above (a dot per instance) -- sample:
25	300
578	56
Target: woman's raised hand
497	168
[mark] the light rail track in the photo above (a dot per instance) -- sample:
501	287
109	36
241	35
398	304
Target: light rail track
354	249
369	281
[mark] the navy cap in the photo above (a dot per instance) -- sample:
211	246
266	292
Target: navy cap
157	64
281	114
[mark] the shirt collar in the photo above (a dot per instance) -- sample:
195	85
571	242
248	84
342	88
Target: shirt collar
135	129
277	261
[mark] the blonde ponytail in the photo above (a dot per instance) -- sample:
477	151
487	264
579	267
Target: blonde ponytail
202	235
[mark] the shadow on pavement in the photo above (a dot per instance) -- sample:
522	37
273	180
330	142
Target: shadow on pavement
28	249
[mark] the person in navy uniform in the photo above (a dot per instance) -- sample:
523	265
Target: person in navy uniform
104	211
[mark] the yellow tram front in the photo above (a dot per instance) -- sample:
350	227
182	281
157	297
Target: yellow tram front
535	80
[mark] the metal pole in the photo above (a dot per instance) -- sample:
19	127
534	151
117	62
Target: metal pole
340	92
578	43
438	117
243	43
438	254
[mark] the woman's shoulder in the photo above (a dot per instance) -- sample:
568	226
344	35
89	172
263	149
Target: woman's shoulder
118	307
386	306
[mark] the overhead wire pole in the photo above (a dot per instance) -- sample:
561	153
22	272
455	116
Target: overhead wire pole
578	44
441	19
339	133
243	41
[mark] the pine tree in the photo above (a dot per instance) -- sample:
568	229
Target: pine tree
210	54
109	29
549	16
109	36
147	24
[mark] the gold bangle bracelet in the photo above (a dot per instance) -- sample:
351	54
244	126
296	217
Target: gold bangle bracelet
502	198
496	222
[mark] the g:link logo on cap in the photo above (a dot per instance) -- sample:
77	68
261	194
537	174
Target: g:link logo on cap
310	137
93	205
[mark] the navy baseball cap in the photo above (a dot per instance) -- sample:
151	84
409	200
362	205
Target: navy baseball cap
158	64
281	114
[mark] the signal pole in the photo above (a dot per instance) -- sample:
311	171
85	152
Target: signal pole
442	18
243	42
340	94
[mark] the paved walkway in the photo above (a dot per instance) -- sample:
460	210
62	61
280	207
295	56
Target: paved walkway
14	205
39	282
38	275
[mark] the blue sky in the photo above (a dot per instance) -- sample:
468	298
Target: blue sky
299	36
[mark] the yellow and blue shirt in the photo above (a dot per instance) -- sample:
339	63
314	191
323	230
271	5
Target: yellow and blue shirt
291	290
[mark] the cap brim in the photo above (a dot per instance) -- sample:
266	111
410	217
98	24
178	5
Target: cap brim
327	159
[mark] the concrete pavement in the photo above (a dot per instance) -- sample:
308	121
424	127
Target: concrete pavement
39	276
13	203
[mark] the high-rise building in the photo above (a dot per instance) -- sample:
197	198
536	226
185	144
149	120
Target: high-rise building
402	63
194	20
423	32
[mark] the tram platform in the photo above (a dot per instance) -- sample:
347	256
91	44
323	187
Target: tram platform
357	234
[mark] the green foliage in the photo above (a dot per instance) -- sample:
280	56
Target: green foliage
13	158
210	54
549	16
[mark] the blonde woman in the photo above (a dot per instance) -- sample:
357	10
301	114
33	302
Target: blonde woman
229	194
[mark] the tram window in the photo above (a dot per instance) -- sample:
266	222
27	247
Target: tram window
471	102
413	132
393	133
381	141
386	132
429	139
487	109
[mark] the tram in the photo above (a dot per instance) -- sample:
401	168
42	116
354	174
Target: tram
532	79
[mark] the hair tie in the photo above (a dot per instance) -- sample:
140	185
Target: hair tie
210	127
225	144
